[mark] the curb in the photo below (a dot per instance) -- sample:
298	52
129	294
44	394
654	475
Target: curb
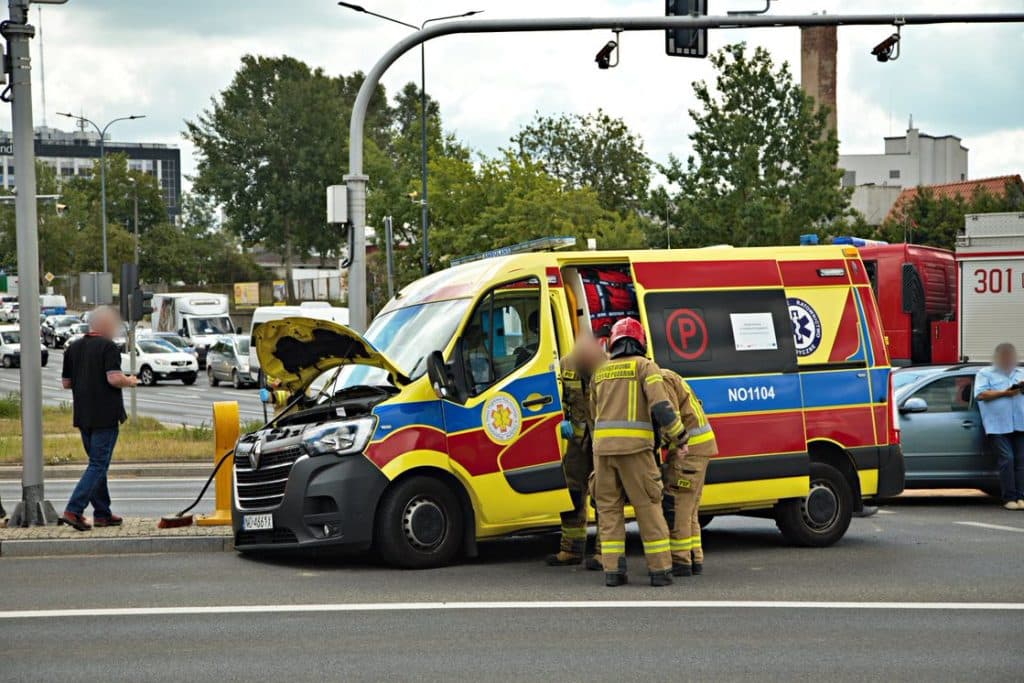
117	471
116	546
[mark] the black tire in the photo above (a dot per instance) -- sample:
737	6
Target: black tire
820	519
419	524
189	379
210	378
704	520
44	362
146	376
8	362
236	381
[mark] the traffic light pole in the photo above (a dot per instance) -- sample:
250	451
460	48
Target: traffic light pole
131	369
356	181
34	509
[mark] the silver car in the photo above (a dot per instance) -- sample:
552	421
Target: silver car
941	432
228	361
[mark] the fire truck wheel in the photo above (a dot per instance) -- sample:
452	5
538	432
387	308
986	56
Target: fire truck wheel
704	520
822	517
419	524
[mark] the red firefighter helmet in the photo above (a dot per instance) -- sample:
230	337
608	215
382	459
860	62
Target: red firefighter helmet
628	327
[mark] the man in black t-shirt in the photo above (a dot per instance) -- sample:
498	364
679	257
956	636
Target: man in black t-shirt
92	370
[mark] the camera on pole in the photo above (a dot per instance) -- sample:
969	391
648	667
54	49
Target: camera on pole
684	42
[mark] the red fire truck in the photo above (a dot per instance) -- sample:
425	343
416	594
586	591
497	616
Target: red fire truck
916	289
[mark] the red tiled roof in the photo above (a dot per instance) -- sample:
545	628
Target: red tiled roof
965	188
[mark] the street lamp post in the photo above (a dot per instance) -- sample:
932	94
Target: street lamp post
424	212
103	166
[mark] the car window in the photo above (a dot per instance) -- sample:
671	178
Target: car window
948	394
504	332
150	346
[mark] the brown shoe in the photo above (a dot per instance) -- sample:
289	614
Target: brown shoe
76	522
112	520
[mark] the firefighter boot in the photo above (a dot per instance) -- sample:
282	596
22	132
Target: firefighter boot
698	564
570	553
679	569
619	572
663	578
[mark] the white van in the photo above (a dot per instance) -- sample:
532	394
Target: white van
52	304
318	310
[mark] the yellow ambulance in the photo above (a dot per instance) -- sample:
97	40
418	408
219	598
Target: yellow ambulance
439	426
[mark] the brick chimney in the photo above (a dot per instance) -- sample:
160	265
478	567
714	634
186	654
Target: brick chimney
818	46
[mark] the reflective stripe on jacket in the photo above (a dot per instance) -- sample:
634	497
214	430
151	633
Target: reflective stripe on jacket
701	437
625	391
575	401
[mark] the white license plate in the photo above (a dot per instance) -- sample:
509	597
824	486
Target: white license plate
257	522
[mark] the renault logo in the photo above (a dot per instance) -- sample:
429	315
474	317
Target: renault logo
254	455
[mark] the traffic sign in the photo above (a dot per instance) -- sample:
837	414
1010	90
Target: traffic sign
49	277
686	42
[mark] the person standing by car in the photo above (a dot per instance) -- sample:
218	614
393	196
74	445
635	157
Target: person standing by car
999	392
92	370
629	401
577	368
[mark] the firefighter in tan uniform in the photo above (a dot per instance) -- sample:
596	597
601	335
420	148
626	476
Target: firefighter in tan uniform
684	476
577	368
630	401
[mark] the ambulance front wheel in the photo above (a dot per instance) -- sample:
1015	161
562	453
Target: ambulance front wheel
419	524
823	516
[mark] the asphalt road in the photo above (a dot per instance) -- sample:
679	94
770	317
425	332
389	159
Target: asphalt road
169	401
873	607
149	497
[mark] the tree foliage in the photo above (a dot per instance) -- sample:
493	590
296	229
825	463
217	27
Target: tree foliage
594	151
764	164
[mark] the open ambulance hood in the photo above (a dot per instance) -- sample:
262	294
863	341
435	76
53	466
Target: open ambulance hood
295	351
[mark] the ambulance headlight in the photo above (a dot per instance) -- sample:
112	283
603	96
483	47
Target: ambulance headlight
340	438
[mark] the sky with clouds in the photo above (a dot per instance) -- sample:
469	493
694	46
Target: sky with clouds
108	58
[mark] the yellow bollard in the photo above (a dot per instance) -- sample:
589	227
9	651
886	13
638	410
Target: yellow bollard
225	434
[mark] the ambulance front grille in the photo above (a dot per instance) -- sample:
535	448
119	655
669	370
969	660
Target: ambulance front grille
263	487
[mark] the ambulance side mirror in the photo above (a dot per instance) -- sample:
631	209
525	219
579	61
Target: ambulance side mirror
440	378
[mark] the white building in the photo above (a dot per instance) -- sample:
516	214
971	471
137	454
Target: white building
908	161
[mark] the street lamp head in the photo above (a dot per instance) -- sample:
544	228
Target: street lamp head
67	114
136	116
357	8
472	12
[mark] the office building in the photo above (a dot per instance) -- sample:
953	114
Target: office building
73	154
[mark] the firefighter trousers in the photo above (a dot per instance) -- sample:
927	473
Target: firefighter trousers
577	465
684	479
638	477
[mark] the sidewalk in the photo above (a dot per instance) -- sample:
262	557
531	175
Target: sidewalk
119	470
137	535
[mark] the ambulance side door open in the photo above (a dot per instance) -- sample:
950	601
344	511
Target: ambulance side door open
503	405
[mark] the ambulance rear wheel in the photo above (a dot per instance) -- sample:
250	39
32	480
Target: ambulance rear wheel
823	516
419	524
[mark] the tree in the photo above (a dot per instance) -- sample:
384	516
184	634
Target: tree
268	147
594	151
512	199
764	165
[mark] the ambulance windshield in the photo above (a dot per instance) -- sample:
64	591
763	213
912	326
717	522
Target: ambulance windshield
406	336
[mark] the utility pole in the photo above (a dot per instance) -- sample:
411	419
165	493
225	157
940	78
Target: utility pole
33	509
131	327
389	242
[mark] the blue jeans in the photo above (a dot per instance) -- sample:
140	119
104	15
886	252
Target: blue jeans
1009	450
92	487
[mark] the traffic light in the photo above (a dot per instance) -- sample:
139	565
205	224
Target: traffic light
142	304
129	283
686	42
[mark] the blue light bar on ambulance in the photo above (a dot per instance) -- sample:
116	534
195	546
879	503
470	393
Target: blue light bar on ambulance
542	244
857	241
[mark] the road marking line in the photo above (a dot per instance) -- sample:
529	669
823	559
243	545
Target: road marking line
994	527
444	606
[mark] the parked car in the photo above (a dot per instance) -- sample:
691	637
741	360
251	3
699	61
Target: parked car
77	331
157	360
228	361
10	347
56	329
175	340
9	309
941	432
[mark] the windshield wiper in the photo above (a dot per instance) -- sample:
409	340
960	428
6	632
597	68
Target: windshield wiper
413	370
